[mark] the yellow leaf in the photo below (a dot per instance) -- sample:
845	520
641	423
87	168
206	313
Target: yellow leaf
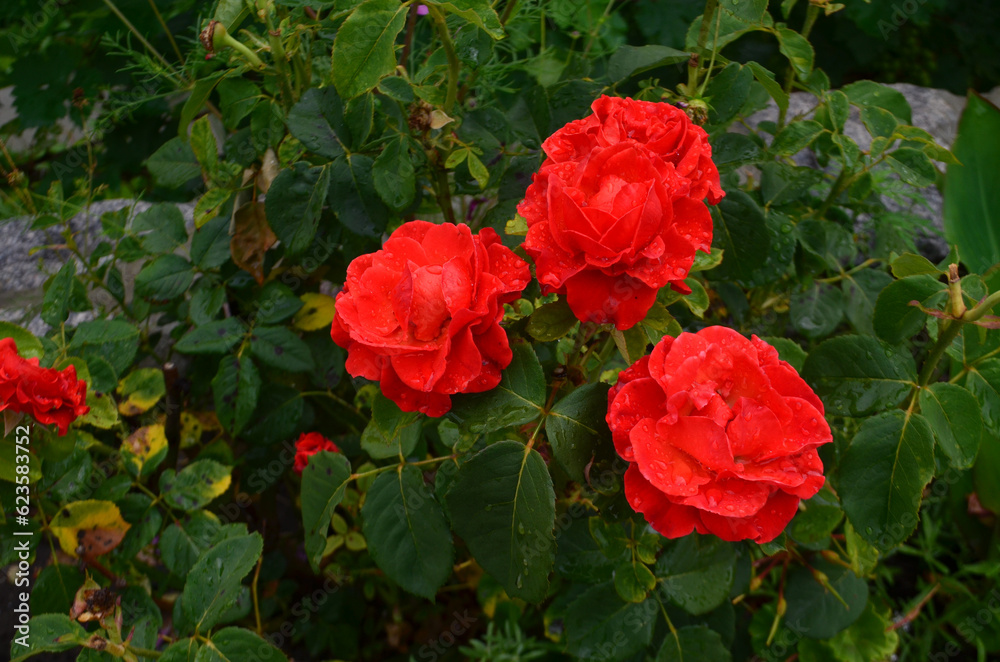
317	313
142	389
92	527
145	446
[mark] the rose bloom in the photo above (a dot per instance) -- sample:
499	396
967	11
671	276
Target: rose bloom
47	395
307	445
616	211
422	315
720	434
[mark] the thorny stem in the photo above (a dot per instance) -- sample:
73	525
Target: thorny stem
694	64
449	51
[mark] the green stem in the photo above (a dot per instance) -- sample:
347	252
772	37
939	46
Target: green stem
443	190
694	64
142	652
811	15
840	184
449	51
281	64
166	30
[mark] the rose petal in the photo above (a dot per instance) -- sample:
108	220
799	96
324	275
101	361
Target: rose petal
762	527
670	519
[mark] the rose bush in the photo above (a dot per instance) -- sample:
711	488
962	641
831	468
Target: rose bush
720	435
422	315
681	406
616	211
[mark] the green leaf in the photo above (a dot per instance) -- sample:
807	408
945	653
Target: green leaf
196	485
203	144
235	388
727	92
324	481
631	343
956	419
633	580
353	196
183	542
813	610
28	346
214	583
869	93
858	375
277	303
788	350
478	170
235	644
165	277
816	312
697	302
478	12
279	347
798	50
294	204
576	428
162	226
551	321
871	637
879	122
48	633
773	88
317	120
503	505
816	520
741	232
212	338
518	399
364	49
883	473
407	533
54	589
796	137
895	319
393	175
984	383
115	341
972	194
706	261
734	150
912	166
911	264
58	292
861	291
694	643
391	432
697	572
601	627
628	61
173	164
828	241
210	205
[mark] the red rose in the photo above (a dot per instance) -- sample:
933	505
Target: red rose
616	211
48	395
307	445
422	315
721	435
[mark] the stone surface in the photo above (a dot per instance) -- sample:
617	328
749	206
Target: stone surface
22	274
